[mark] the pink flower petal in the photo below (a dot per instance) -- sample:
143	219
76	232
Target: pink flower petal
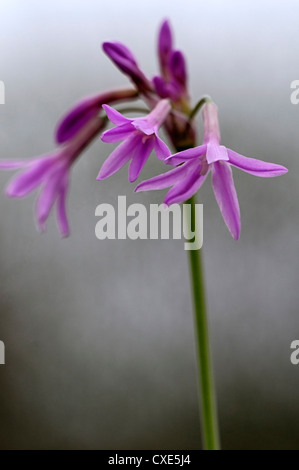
117	133
114	116
164	43
185	155
186	188
215	152
14	164
49	193
226	197
119	157
125	61
77	117
139	158
161	149
178	67
28	180
255	167
165	180
61	208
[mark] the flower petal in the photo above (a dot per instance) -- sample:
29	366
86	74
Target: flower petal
178	67
125	61
186	188
49	194
255	167
215	152
119	157
117	133
77	117
161	87
86	109
161	149
185	155
226	197
139	158
28	180
15	164
164	44
154	120
121	56
61	208
114	116
165	179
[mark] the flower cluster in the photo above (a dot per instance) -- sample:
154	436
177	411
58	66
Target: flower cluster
168	101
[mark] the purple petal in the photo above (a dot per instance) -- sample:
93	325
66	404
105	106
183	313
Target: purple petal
178	67
152	122
27	181
226	197
118	133
215	152
77	117
167	90
114	116
14	164
125	61
185	155
161	149
144	126
49	194
165	179
186	188
255	167
61	208
164	42
161	87
119	157
120	55
139	158
85	110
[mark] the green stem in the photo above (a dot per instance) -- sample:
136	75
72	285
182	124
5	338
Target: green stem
198	106
206	383
133	109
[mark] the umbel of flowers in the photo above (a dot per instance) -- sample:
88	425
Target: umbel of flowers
168	101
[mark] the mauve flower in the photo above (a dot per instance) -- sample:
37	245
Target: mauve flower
196	162
173	80
140	137
50	173
126	62
85	110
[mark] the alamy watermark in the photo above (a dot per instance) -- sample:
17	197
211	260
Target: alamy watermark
294	358
2	92
294	97
137	222
2	353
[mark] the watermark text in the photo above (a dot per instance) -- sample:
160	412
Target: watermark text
294	97
159	221
2	353
295	354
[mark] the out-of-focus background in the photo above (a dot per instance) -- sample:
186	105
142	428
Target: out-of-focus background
99	334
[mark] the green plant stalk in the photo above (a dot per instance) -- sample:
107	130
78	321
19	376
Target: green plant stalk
207	393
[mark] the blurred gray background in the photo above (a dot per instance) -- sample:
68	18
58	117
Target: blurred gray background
99	334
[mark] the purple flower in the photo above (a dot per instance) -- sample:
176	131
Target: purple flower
164	48
140	137
196	162
126	62
85	110
50	173
173	80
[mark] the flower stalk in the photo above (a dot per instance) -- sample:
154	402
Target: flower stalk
207	394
